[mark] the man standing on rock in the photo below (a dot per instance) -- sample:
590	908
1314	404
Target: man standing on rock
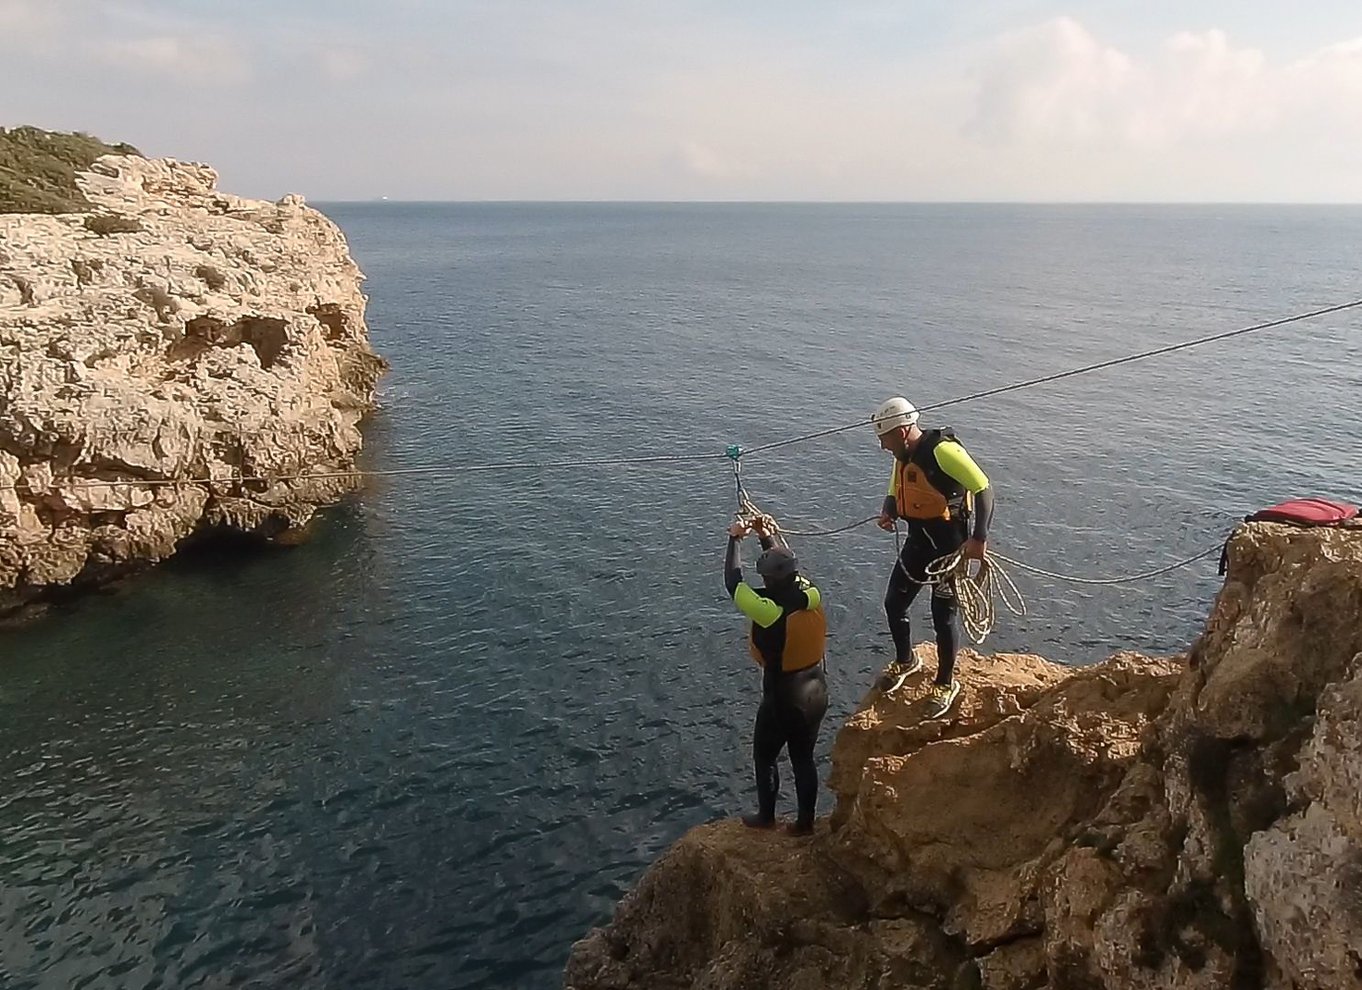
946	500
786	638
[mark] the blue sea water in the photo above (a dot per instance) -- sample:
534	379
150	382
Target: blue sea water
432	747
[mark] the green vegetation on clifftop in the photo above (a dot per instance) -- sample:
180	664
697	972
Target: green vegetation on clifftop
38	169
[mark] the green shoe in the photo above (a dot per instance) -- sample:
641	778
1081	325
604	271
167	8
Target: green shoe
942	697
897	672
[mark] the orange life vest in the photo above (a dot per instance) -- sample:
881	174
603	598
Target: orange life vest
806	633
923	490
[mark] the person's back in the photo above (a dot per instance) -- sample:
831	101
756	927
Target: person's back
787	639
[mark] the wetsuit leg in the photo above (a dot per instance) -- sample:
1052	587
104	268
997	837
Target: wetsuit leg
805	703
945	607
899	595
768	737
941	539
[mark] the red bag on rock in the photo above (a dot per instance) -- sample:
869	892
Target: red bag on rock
1299	512
1306	512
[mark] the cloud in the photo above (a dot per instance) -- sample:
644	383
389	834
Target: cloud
126	36
1052	81
199	61
538	99
1325	87
1056	84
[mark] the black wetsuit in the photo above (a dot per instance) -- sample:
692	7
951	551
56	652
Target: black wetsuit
792	703
927	540
924	543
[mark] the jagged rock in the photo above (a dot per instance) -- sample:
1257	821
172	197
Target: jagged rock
1303	875
963	826
1185	822
194	335
732	907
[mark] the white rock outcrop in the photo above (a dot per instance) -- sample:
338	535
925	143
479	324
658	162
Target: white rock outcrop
170	336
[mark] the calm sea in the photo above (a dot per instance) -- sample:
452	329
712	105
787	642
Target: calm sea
435	745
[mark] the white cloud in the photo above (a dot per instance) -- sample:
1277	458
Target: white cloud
126	36
1058	85
1325	88
620	100
204	61
1051	81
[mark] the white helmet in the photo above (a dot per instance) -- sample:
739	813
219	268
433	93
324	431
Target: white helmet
892	414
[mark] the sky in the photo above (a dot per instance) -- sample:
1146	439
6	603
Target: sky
712	100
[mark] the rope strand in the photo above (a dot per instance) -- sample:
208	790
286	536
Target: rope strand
1058	376
1072	579
378	473
689	457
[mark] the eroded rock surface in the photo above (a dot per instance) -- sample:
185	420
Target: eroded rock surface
171	335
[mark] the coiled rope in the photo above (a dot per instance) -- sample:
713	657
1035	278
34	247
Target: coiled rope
977	593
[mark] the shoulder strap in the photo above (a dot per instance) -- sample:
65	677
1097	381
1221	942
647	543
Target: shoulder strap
927	446
925	456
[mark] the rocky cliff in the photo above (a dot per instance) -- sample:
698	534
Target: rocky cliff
1184	822
171	359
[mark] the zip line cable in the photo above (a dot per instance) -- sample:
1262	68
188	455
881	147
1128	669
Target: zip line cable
976	593
1057	376
734	452
233	479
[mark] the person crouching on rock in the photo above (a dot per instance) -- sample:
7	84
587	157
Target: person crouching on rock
787	636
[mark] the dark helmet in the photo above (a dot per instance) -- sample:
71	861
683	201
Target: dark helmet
778	564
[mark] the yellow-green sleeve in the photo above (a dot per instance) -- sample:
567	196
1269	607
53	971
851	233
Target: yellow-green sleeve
812	596
956	461
762	611
894	480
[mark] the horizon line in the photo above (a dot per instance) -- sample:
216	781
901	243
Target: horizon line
835	202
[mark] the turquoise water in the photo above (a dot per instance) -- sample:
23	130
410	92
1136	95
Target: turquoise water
432	747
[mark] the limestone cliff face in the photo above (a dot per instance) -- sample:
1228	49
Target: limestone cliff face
1185	822
171	333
